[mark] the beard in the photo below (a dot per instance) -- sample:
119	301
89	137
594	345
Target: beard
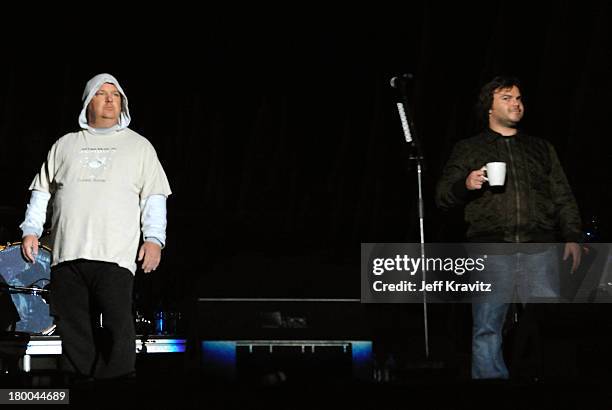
511	120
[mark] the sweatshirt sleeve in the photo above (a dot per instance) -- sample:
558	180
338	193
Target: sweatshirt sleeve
36	214
153	219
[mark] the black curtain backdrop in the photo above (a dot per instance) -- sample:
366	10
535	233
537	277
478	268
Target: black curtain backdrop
281	139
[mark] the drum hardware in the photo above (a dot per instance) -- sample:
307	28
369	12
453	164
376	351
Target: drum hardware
28	285
36	291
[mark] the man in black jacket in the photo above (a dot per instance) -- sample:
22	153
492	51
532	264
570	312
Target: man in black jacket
534	205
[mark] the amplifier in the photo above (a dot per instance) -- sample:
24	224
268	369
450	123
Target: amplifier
284	337
282	319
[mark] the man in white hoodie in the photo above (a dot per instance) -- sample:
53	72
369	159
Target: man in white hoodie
106	185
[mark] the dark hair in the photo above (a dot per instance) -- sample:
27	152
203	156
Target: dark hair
485	99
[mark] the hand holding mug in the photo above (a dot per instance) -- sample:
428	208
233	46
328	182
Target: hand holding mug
494	173
475	179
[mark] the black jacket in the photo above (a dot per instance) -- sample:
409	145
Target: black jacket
535	204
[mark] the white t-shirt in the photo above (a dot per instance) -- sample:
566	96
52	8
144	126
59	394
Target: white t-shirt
97	182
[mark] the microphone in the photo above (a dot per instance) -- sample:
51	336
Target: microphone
395	81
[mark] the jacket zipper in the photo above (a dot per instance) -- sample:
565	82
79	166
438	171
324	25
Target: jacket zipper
516	193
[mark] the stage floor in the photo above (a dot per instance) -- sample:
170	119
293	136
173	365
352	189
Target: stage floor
163	388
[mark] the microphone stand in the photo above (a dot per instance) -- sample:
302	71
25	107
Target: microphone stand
416	155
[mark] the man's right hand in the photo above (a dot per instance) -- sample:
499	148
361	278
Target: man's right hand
475	179
29	247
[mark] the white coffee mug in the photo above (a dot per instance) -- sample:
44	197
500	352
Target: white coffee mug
496	173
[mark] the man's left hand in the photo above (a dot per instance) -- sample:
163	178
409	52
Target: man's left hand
573	249
151	252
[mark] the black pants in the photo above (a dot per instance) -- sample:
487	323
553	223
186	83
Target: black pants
80	291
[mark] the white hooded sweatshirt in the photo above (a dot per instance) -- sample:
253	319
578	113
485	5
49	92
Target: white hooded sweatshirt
91	88
104	183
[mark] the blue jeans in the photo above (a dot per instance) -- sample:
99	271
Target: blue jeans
519	276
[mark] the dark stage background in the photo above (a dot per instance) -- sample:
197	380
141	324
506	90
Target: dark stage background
281	139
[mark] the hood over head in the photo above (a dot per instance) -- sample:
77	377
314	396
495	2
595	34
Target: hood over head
91	88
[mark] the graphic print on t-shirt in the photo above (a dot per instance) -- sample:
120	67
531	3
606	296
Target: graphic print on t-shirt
95	163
